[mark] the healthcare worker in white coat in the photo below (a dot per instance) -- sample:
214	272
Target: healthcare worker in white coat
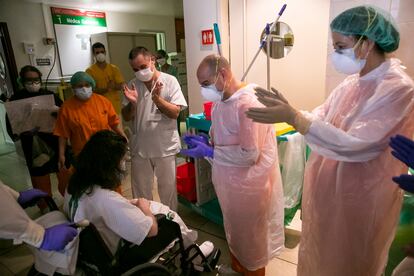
15	223
350	205
153	100
245	169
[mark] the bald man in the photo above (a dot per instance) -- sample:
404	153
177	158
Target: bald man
245	168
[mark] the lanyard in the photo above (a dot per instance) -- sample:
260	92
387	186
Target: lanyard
73	206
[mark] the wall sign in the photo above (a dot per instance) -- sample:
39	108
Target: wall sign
207	37
77	17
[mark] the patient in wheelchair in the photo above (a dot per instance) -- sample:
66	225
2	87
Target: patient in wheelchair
99	170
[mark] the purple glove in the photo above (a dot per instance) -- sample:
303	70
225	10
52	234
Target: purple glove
30	197
403	149
200	150
189	138
58	236
405	181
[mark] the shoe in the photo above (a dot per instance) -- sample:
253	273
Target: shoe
226	270
206	248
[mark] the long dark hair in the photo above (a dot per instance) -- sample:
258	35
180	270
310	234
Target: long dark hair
98	163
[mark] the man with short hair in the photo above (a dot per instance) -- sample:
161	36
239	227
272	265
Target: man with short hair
153	100
107	76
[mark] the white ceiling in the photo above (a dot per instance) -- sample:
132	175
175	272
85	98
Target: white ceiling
152	7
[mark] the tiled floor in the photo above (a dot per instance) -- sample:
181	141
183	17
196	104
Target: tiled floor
16	260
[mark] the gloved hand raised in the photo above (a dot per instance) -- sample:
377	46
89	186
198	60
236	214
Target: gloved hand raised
30	197
203	138
58	236
263	94
405	181
200	150
403	149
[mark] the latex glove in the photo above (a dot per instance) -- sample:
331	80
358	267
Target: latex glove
200	150
279	112
58	236
131	93
203	138
30	197
262	93
403	149
405	181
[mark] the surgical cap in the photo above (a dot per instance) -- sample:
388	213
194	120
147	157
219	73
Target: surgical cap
371	22
82	76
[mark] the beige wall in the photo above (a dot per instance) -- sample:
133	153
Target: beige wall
403	13
300	76
213	11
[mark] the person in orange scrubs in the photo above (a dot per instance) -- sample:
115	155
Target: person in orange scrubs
107	76
83	115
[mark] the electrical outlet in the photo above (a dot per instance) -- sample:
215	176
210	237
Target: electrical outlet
29	48
49	41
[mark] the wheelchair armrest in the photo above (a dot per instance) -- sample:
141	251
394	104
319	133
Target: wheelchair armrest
49	202
160	217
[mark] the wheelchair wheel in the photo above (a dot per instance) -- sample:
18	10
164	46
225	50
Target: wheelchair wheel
148	269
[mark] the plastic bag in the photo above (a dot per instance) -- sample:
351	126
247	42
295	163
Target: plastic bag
292	159
41	152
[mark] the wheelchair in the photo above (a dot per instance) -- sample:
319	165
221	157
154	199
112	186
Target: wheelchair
153	257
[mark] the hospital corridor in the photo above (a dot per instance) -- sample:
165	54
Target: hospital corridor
207	137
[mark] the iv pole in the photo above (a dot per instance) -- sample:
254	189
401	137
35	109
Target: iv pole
265	40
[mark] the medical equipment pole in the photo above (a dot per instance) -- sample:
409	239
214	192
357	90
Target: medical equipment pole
262	43
218	38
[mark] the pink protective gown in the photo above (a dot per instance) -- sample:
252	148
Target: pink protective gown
350	203
247	180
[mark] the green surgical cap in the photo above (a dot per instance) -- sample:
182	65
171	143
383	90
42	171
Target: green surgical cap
371	22
82	76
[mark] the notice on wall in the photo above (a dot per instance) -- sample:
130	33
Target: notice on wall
77	17
73	29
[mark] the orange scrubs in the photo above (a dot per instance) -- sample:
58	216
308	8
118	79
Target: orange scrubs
102	77
79	120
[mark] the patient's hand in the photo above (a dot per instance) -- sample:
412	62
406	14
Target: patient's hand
144	205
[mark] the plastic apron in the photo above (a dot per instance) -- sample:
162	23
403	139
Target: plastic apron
350	203
247	181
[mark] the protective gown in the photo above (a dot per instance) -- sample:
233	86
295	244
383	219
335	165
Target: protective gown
350	204
247	180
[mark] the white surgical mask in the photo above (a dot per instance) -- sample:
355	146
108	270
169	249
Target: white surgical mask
33	87
161	61
346	62
83	93
144	74
100	57
211	94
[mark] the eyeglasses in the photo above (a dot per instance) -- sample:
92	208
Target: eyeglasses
32	81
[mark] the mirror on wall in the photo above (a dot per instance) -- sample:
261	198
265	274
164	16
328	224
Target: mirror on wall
281	40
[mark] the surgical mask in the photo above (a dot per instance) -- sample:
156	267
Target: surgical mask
100	57
346	62
161	61
144	75
211	94
33	87
83	93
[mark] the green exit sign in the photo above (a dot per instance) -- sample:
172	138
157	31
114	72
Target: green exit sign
77	17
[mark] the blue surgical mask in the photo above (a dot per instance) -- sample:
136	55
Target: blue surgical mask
83	93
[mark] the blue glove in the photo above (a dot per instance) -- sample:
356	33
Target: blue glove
405	181
58	236
189	138
403	149
200	150
30	197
